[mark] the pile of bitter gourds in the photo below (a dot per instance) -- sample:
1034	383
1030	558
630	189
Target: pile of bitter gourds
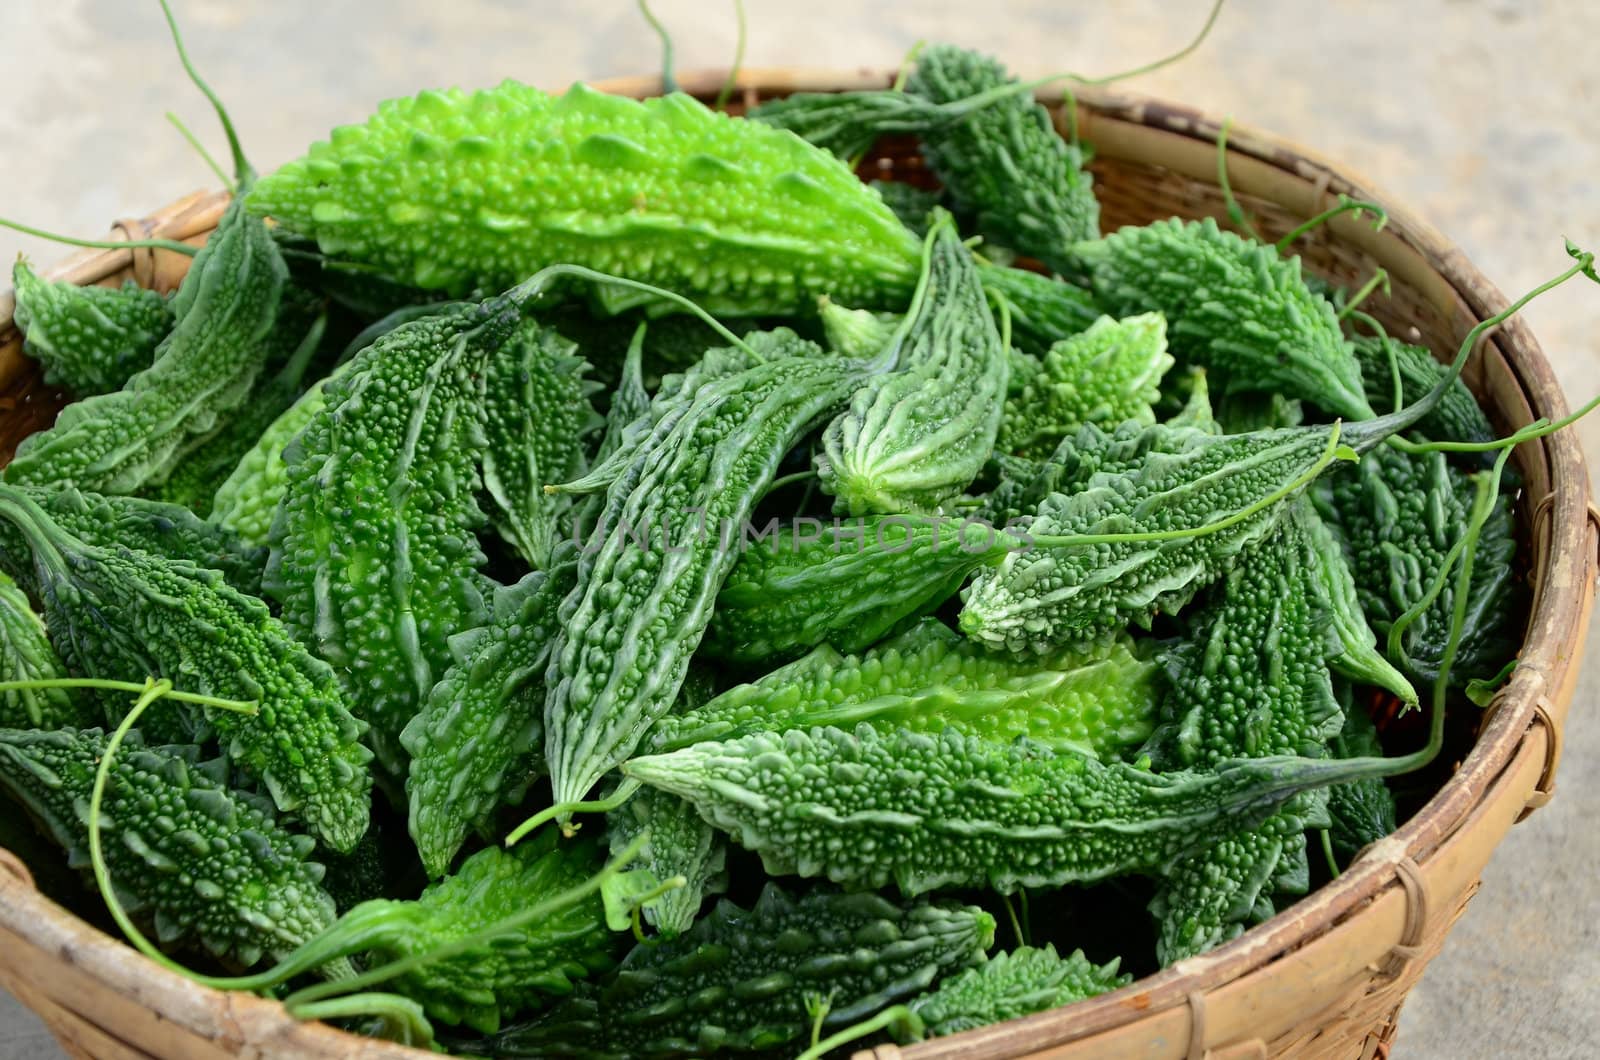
818	586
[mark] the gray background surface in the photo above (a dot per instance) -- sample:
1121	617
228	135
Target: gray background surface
1480	114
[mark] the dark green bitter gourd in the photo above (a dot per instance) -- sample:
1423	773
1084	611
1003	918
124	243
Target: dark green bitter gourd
166	530
1363	812
472	741
1103	701
667	537
1042	310
739	979
681	843
848	585
1398	515
1105	375
205	863
483	986
117	611
90	340
374	557
203	370
1005	163
1231	305
1007	986
536	413
1250	679
917	436
455	190
26	654
924	811
1458	417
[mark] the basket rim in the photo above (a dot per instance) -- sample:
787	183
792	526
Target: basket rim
1532	700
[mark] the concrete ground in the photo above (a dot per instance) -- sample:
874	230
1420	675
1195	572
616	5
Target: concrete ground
1478	113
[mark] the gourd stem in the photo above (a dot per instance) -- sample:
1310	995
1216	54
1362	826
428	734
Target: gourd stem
535	285
102	244
904	73
888	1017
624	792
1379	279
1537	429
401	1011
640	901
1327	852
1369	433
788	480
1346	205
1236	212
513	923
236	706
1332	452
669	80
244	173
726	92
200	149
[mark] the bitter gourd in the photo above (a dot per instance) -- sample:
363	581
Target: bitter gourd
471	741
204	465
1008	985
1005	163
484	985
27	655
1398	515
925	811
374	557
1043	311
680	844
737	981
166	530
1105	375
224	313
1102	701
536	412
1458	417
206	863
849	584
1363	812
917	436
641	606
451	190
248	499
1250	679
1231	305
90	340
118	611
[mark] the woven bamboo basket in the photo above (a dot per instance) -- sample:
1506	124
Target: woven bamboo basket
1325	978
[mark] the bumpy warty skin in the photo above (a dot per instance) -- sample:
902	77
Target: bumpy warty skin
738	980
1109	374
205	864
848	587
488	984
1011	984
1398	515
1103	700
922	811
1005	162
917	436
473	741
1458	417
125	614
374	555
448	189
89	339
1232	306
225	311
26	654
680	843
639	612
1054	595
